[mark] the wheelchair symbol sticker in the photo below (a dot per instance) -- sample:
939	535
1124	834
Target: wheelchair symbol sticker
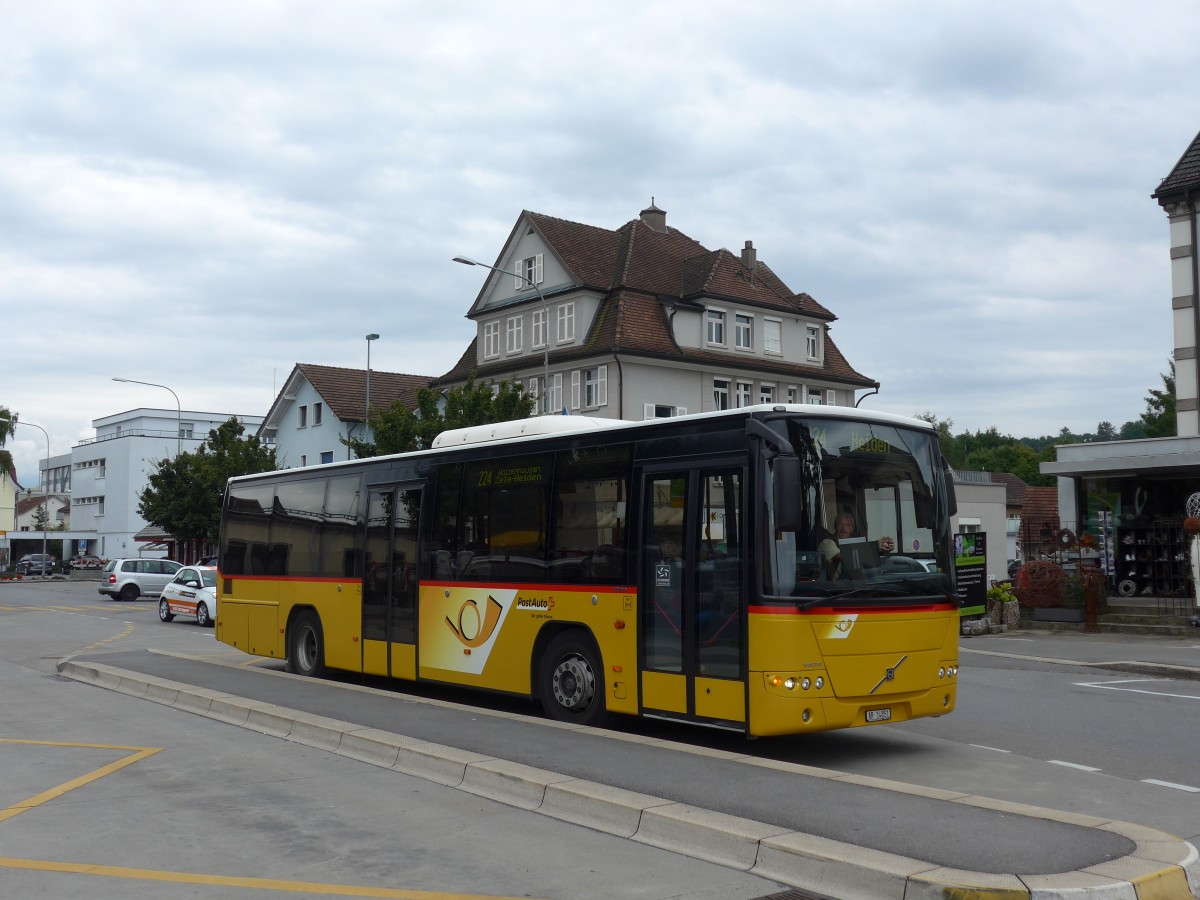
662	575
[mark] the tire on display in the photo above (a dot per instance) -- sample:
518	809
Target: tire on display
202	618
306	646
570	680
164	610
130	592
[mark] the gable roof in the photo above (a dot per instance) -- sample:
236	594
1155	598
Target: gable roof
344	391
636	257
643	273
638	325
1185	174
1014	486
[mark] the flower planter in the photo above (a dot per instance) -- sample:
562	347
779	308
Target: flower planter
1057	614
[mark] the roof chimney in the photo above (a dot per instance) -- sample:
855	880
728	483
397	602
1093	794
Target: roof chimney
749	256
654	217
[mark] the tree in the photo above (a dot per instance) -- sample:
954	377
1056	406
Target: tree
8	426
185	493
1159	417
399	429
1106	432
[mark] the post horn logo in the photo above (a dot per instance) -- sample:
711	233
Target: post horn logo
474	629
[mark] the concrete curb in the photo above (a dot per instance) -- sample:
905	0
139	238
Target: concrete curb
1162	867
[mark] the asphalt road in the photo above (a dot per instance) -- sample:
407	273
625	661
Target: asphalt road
107	796
730	775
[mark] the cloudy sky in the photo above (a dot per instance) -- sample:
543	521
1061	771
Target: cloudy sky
204	194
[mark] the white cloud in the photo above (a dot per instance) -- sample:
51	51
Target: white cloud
205	195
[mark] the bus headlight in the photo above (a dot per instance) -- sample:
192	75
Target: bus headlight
790	684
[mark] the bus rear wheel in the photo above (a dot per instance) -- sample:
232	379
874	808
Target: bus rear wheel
571	682
306	646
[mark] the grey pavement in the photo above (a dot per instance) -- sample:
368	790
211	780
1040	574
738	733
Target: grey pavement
831	833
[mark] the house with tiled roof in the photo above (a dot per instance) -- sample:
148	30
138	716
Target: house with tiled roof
643	321
319	406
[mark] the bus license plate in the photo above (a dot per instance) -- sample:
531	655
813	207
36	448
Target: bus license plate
879	715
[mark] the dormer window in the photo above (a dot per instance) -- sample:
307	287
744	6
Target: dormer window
772	336
716	327
812	341
531	271
743	332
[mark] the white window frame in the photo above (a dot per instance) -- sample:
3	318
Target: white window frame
535	393
317	410
743	332
721	394
330	454
650	410
793	393
530	268
714	326
538	329
766	392
554	397
566	322
773	337
831	398
302	416
303	460
514	329
594	388
491	340
814	397
812	341
744	391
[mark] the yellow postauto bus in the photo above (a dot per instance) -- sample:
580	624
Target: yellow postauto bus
770	570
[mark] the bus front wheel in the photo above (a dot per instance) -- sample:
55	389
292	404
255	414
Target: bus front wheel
306	646
571	682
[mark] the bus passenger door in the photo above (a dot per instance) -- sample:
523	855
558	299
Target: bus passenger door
389	608
692	577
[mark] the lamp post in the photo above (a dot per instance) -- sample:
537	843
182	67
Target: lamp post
367	416
45	492
467	261
178	410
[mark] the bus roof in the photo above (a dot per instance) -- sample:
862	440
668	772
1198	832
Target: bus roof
538	426
519	431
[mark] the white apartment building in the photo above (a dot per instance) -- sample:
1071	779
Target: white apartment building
110	471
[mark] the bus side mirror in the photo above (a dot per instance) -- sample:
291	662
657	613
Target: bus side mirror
951	500
787	493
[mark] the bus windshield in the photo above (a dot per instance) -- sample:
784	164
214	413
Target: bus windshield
872	519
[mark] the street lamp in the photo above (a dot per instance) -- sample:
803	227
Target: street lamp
45	492
467	261
178	410
367	417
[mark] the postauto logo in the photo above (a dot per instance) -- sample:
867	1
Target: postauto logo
473	628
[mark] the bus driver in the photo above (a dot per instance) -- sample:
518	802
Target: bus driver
843	528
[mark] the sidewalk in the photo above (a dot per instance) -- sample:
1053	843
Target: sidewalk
833	834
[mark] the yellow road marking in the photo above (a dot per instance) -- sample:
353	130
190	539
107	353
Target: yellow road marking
264	884
36	800
116	637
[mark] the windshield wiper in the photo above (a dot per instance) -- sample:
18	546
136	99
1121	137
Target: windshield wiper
879	589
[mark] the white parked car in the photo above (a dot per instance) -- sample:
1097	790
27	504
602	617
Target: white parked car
192	592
